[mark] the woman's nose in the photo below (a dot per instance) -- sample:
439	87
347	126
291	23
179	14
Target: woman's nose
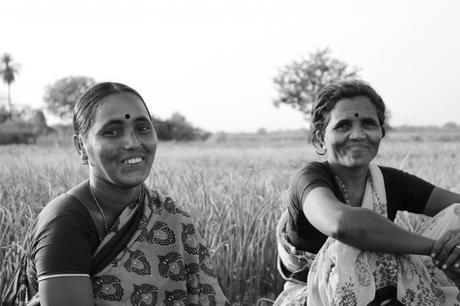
131	140
357	133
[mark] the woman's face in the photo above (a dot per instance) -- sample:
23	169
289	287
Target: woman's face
353	134
121	143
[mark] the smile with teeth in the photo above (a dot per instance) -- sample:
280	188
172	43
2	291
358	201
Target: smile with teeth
133	161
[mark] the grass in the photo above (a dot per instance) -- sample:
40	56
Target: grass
236	194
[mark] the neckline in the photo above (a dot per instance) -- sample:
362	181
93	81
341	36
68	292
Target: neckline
369	180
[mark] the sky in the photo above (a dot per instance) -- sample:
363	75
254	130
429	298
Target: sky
214	61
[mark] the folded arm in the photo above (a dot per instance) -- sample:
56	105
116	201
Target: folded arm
360	227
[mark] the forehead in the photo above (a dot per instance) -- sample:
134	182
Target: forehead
355	107
117	106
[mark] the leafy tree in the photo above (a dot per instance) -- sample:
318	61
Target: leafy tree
62	95
34	117
179	129
299	82
9	70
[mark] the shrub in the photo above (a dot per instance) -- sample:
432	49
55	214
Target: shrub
177	128
17	137
16	132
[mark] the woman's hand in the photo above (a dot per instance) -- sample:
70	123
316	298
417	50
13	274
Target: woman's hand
446	251
453	276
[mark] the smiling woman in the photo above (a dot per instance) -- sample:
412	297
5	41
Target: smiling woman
347	237
119	150
110	240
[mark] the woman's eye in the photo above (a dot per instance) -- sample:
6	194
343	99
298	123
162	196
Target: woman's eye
369	124
342	126
111	132
145	129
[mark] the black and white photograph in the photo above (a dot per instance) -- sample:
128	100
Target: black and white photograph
229	152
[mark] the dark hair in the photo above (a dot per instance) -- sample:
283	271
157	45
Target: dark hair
87	104
330	94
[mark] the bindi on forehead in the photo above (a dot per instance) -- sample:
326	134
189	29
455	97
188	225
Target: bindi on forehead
356	115
127	116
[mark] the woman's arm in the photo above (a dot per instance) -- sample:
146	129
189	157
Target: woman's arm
65	239
445	250
66	290
360	227
439	199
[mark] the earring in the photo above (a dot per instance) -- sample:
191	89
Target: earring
323	146
84	159
320	149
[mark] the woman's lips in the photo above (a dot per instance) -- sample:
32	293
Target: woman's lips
133	160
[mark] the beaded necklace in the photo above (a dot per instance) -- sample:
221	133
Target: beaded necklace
345	193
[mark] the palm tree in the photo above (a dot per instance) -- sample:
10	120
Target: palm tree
9	71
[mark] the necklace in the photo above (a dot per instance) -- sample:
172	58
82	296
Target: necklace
345	193
343	189
99	206
106	224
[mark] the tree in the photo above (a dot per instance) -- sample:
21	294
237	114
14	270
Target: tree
35	118
9	70
62	95
450	125
178	128
299	82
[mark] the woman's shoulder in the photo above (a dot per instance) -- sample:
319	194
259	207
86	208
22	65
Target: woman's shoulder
391	173
65	207
312	170
168	213
401	179
165	205
389	170
63	204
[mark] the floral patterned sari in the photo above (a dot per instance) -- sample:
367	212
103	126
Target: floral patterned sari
152	256
164	263
343	275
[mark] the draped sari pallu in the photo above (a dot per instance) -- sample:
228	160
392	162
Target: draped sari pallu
152	256
343	275
164	263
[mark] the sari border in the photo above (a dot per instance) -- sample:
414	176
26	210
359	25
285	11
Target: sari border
62	275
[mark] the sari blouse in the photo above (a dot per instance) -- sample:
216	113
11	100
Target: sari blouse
403	191
153	254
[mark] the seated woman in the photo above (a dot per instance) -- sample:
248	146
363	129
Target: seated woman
110	240
351	234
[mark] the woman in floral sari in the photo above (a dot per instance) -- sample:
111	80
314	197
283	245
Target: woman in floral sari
110	240
356	233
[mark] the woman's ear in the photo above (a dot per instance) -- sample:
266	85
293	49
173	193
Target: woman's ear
320	136
78	144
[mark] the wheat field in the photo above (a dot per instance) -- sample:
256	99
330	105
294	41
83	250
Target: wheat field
236	193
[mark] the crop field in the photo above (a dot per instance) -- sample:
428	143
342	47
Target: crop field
236	193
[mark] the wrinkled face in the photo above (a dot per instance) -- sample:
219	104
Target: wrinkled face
121	143
353	134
